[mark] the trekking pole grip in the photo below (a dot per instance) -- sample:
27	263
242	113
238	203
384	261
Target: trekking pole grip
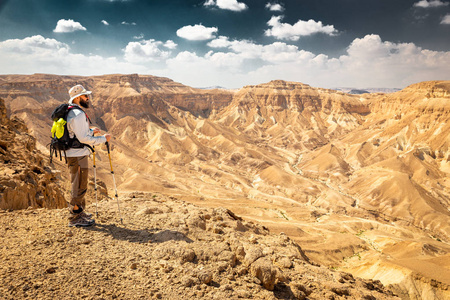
107	146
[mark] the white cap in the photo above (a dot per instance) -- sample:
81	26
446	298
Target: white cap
77	91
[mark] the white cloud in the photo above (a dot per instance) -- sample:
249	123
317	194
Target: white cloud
33	45
428	4
139	37
170	45
197	32
370	47
391	63
284	31
128	24
274	7
233	5
145	51
105	23
228	61
273	53
200	71
368	62
37	54
220	42
68	26
446	19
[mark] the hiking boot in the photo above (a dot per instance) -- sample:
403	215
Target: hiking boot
86	215
80	221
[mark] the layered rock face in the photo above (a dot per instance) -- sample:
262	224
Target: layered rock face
25	178
313	116
34	97
349	177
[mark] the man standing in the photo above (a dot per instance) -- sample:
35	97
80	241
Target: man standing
77	157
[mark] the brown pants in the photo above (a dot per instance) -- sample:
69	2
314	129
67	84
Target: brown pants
79	171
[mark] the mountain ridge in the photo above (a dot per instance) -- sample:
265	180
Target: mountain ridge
288	155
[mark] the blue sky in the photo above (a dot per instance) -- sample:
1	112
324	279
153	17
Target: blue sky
231	43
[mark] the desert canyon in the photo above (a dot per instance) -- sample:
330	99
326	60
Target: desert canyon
353	189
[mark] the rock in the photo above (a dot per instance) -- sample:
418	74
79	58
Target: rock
240	252
216	229
347	277
50	270
252	254
133	266
341	291
299	295
205	276
284	262
149	211
268	251
196	221
264	271
174	250
222	266
240	227
187	281
299	290
187	255
227	256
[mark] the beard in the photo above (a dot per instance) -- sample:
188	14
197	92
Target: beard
84	103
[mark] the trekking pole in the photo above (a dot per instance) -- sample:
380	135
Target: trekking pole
95	185
114	181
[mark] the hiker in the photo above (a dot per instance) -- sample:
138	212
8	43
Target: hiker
77	157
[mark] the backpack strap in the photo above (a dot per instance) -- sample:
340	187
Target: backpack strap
77	107
69	108
51	154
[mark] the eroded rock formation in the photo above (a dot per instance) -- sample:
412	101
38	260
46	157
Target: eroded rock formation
25	178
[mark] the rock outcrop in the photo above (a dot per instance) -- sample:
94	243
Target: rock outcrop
166	249
25	178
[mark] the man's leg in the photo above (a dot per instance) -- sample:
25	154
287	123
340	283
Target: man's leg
78	168
84	174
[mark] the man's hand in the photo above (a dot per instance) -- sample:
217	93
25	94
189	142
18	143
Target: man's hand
96	130
108	137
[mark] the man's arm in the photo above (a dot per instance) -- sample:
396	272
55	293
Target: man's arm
80	127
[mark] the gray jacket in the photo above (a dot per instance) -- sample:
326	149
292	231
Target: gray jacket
78	125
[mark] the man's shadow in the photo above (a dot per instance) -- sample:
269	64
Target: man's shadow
153	235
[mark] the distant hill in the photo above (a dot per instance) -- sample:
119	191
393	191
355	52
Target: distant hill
216	87
356	91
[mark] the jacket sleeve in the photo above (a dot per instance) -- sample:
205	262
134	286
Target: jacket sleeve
80	127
